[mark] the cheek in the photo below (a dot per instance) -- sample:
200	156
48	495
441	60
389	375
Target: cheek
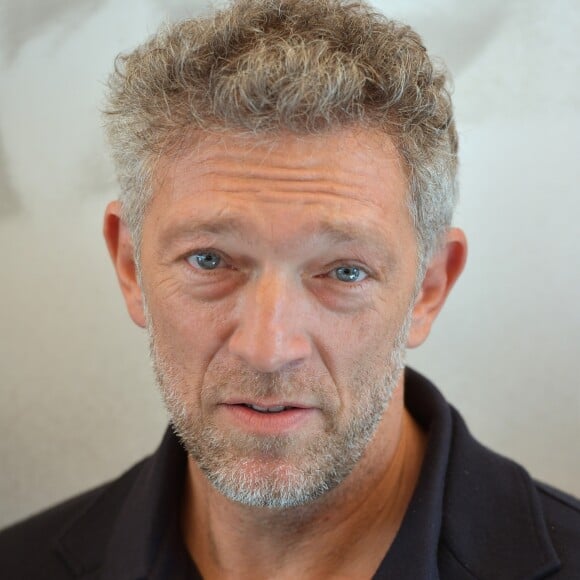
370	331
357	349
187	332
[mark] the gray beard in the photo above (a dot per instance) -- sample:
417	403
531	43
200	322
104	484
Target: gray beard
275	482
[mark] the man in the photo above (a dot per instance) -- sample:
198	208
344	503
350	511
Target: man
284	232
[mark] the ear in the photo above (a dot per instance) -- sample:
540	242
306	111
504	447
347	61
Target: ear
122	253
441	275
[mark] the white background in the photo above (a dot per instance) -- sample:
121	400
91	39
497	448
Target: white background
77	398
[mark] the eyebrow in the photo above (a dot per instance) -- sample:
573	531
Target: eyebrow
344	232
336	232
222	225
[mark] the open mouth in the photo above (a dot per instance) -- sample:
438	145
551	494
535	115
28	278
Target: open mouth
268	419
274	409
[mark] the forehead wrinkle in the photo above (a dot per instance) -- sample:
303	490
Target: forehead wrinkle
264	187
256	177
250	161
270	166
280	194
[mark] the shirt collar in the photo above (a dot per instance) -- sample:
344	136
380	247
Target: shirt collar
146	541
474	513
413	553
492	515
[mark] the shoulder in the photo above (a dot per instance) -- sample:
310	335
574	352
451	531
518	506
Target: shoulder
31	545
33	548
499	518
497	522
562	514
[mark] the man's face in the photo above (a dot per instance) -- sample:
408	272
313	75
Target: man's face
278	279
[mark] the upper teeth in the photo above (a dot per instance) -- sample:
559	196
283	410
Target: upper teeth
275	409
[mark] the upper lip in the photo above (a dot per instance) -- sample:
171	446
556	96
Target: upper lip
267	404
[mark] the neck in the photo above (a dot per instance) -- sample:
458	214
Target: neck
346	533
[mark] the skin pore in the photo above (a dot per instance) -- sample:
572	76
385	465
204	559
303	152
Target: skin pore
282	274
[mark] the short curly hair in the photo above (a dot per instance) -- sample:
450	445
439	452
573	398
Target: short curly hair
271	66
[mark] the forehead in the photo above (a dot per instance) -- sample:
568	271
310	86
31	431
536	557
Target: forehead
344	180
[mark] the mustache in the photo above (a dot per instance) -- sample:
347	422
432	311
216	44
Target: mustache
224	380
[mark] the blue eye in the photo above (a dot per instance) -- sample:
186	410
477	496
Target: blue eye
205	260
349	274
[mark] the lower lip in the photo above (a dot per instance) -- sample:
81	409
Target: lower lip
268	423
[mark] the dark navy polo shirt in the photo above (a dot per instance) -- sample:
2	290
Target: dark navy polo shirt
473	515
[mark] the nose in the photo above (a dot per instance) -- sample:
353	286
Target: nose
270	334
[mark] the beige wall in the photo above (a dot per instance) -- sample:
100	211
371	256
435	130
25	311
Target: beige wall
78	403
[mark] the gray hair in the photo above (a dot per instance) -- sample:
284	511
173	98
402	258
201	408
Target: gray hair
266	67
